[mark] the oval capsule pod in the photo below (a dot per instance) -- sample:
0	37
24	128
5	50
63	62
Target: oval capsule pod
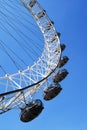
60	75
63	46
63	61
52	91
31	110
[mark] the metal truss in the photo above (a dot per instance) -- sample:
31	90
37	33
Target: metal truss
24	84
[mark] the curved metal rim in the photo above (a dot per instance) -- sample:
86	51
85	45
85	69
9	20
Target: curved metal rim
46	42
20	90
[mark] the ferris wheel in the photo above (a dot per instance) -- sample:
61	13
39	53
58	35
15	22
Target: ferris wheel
17	90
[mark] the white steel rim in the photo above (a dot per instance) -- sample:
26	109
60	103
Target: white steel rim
38	73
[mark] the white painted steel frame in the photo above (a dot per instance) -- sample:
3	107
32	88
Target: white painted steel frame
40	69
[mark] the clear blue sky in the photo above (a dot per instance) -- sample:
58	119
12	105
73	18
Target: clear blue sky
68	111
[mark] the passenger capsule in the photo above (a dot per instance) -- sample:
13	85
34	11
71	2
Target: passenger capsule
58	77
52	91
59	34
63	46
63	61
31	110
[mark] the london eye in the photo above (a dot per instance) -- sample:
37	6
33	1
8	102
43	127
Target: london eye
31	58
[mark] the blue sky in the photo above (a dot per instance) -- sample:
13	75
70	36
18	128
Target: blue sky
68	111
